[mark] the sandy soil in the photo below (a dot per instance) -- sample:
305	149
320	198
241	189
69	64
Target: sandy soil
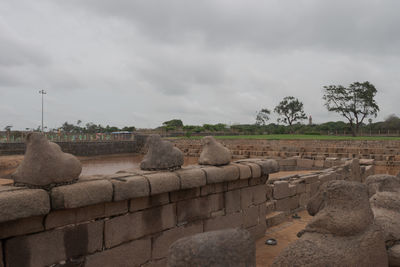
285	233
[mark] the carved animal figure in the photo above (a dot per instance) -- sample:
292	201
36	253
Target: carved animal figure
161	155
45	164
342	232
214	153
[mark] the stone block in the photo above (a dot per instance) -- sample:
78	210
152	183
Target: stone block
116	208
191	178
232	220
232	172
366	161
326	177
57	218
133	253
81	194
292	189
51	247
269	189
275	218
320	163
305	163
148	202
287	162
303	199
281	189
162	242
287	204
17	204
257	231
252	196
162	182
184	194
255	169
312	189
258	181
136	225
309	179
213	188
130	187
244	170
216	202
21	227
300	187
270	206
221	174
238	184
156	263
268	166
250	216
232	201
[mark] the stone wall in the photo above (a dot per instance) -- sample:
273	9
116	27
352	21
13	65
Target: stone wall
129	219
289	194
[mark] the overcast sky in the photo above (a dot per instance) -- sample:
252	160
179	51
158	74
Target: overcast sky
140	63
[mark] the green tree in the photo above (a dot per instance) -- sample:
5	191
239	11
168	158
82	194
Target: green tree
290	110
173	124
263	116
355	103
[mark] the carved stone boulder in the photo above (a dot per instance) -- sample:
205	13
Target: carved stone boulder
45	165
342	232
231	247
161	155
214	153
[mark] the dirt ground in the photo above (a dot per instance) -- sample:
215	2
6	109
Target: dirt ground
285	233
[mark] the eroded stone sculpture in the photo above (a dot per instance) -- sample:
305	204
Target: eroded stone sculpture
161	155
384	191
342	232
231	247
45	165
214	153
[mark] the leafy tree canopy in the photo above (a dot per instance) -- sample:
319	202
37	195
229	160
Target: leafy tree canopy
355	102
262	116
290	110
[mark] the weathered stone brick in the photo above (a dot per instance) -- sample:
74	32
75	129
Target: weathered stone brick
250	216
305	163
292	189
287	162
17	204
238	184
303	199
90	212
281	189
133	253
216	202
257	231
162	182
156	263
116	208
232	172
320	163
193	209
213	188
184	194
221	174
21	227
326	177
270	206
148	202
275	218
130	187
244	170
135	225
312	189
269	191
258	181
255	169
191	178
287	204
81	194
268	166
232	201
162	242
229	221
300	187
309	179
50	247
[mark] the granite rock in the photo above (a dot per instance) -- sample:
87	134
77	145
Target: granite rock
214	153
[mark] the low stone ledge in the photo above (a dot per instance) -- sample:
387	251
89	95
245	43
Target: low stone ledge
23	203
81	194
130	187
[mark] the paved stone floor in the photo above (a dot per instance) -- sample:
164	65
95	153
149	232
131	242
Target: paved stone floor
284	233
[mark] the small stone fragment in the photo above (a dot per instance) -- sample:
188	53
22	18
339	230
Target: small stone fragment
161	155
214	153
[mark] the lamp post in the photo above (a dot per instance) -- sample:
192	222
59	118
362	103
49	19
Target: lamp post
42	92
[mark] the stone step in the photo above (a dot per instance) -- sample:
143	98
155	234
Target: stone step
275	218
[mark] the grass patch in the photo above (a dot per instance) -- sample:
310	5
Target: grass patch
297	137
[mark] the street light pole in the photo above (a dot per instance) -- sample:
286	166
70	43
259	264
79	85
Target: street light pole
42	92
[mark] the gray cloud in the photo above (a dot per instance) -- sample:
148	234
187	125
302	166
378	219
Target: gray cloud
140	63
